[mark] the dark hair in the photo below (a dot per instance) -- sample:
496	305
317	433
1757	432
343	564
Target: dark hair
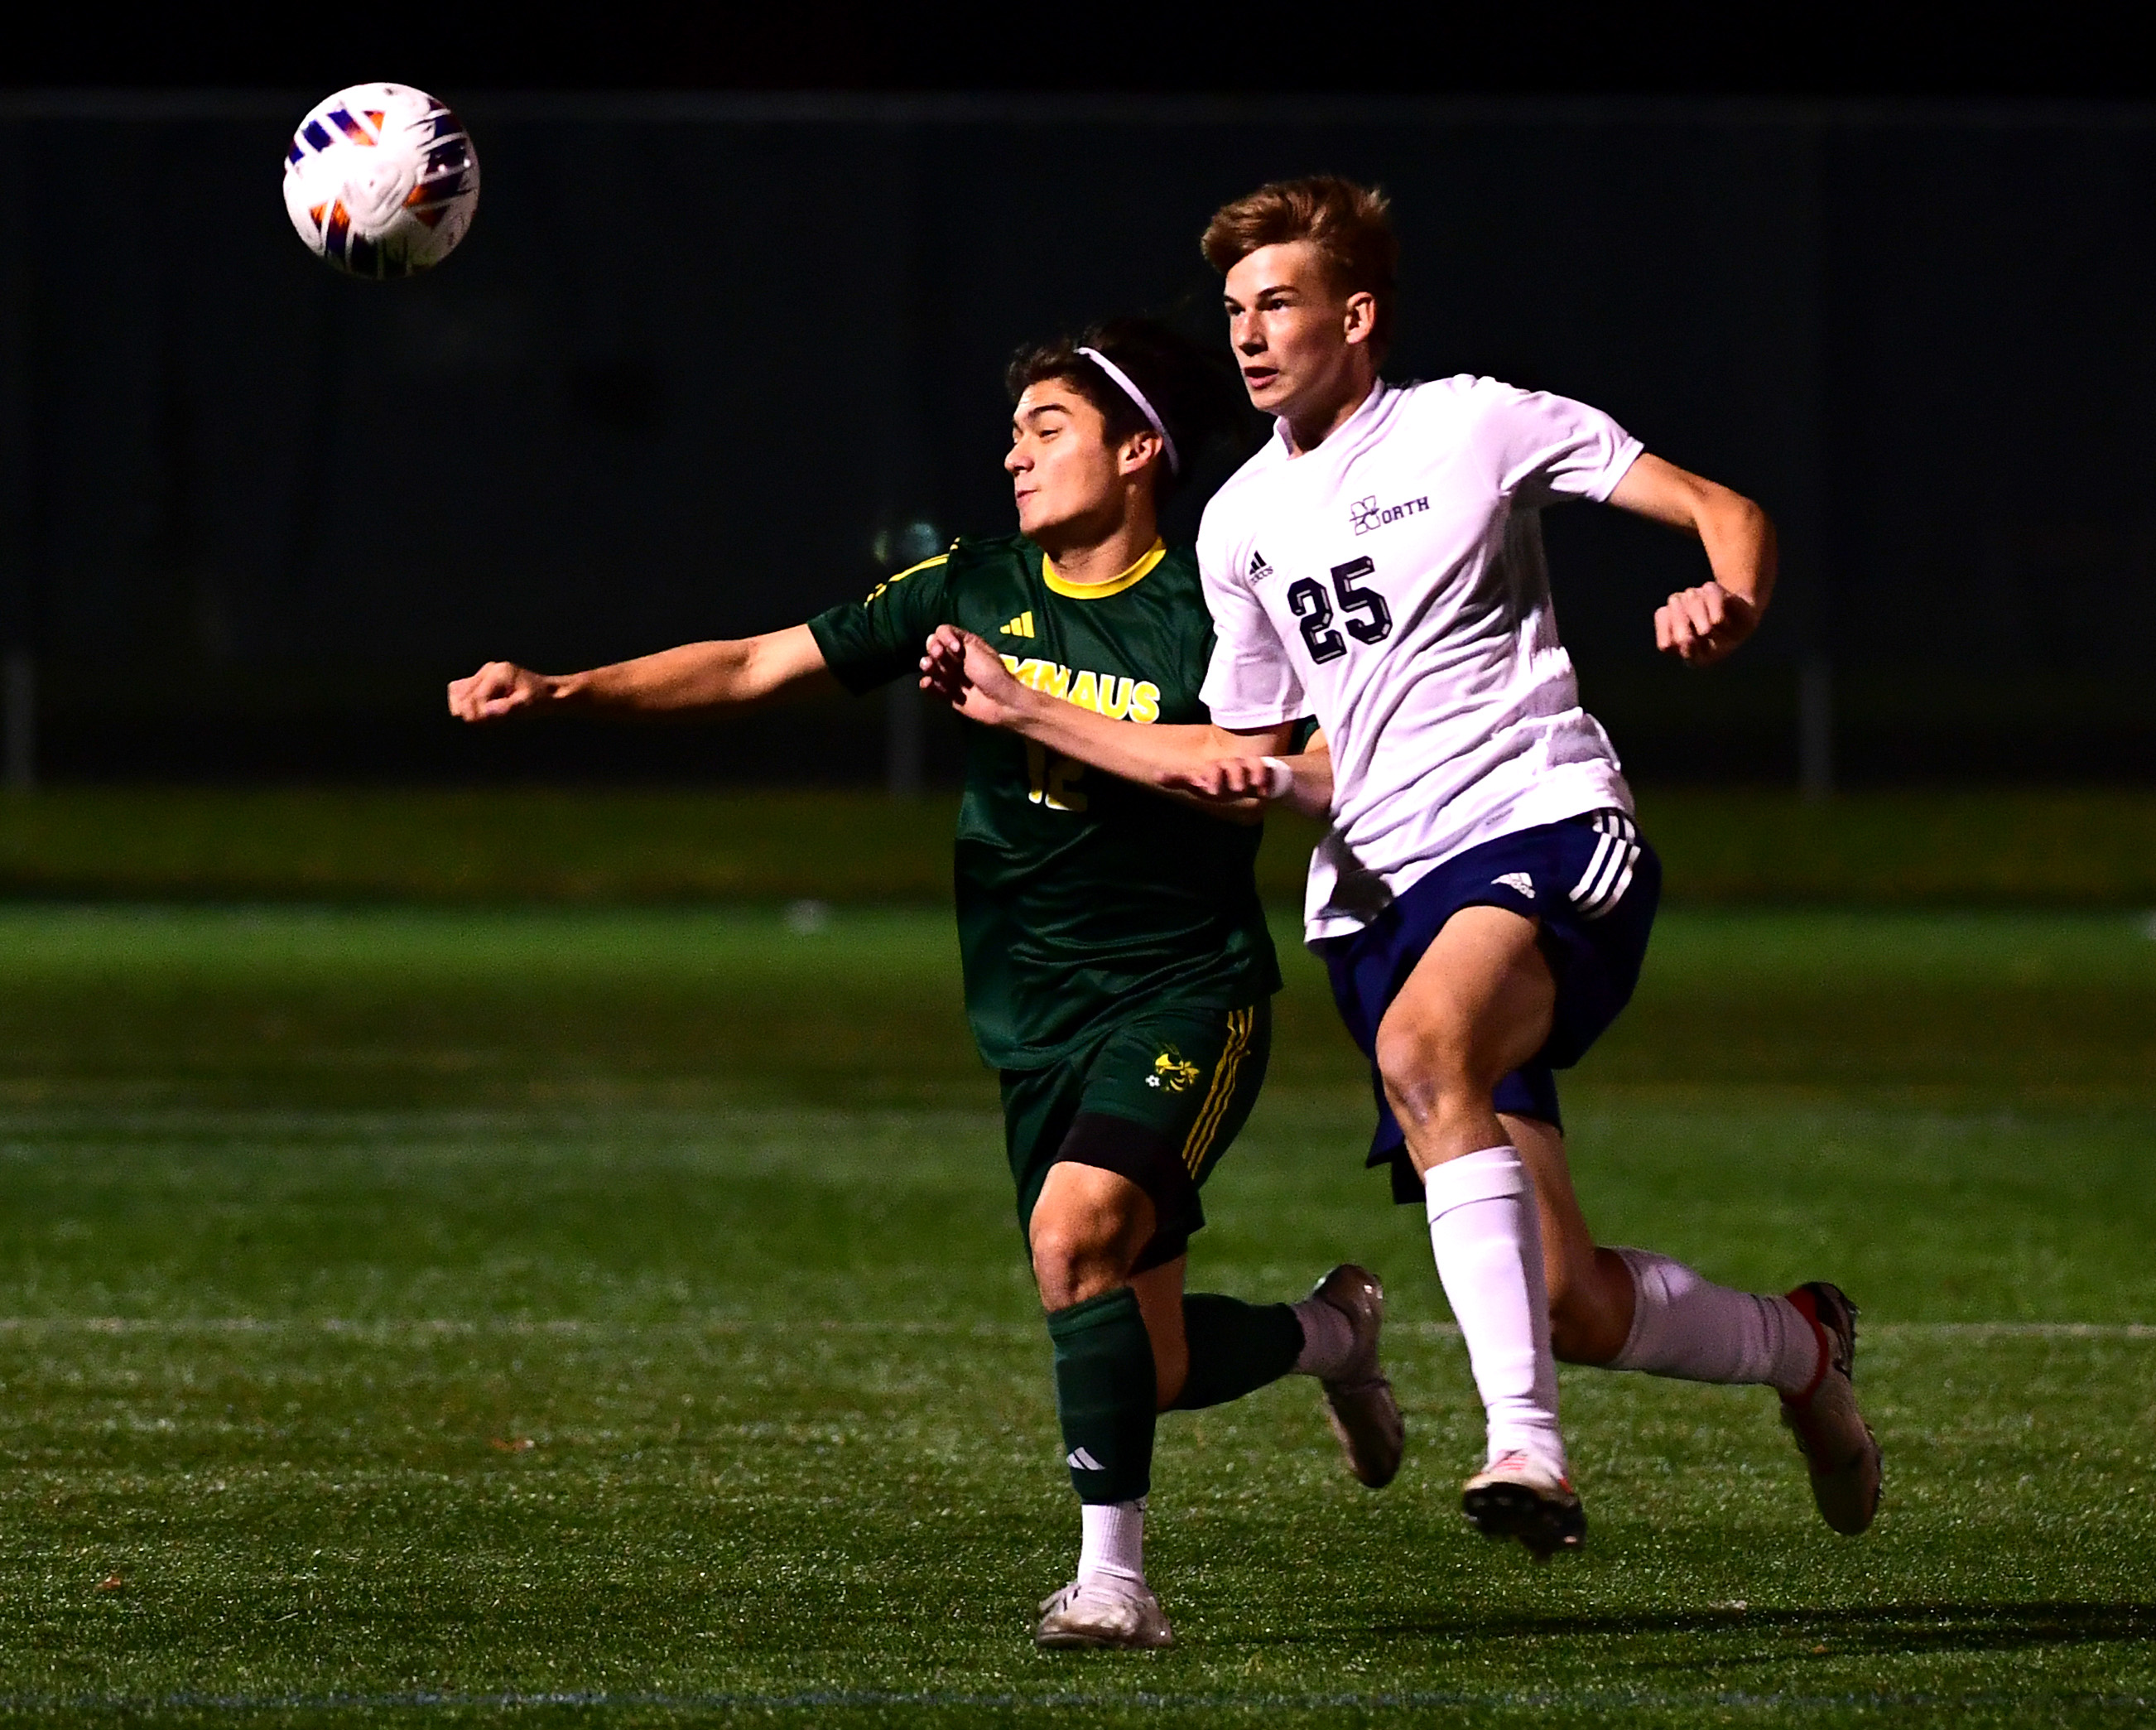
1193	392
1350	225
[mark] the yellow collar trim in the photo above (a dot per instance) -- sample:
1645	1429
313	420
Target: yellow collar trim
1101	591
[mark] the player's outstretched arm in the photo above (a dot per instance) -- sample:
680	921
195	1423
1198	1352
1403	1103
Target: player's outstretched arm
696	676
1701	624
1225	770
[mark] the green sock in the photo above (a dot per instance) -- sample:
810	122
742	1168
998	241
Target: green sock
1103	1395
1235	1347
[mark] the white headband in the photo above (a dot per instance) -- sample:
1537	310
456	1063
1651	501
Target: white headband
1138	396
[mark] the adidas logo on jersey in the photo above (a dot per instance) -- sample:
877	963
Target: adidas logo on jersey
1519	882
1260	570
1078	1460
1022	626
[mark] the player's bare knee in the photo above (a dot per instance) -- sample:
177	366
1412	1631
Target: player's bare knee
1066	1266
1077	1256
1425	1072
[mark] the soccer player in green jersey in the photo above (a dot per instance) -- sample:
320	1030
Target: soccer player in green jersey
1118	972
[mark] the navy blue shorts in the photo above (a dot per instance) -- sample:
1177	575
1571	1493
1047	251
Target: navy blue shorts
1591	881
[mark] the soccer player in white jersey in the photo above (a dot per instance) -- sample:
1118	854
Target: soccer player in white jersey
1483	899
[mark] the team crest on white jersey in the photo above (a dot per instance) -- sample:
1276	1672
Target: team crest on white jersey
1519	882
1365	515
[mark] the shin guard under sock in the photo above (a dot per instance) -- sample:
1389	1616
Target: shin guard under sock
1103	1395
1488	1240
1235	1347
1687	1326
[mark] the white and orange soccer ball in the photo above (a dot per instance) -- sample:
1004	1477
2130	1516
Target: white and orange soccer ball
380	181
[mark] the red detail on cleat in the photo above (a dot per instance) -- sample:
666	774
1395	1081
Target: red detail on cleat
1805	1304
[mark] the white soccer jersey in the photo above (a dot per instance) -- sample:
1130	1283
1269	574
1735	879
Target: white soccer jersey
1391	583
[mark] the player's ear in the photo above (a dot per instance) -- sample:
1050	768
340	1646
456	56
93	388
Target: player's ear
1359	318
1138	449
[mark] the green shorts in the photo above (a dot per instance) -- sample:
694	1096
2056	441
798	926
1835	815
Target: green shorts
1157	1097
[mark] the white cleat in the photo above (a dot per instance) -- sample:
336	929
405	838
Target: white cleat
1517	1495
1838	1445
1102	1614
1359	1406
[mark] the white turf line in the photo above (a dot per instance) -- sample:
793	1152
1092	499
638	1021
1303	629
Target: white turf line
570	1328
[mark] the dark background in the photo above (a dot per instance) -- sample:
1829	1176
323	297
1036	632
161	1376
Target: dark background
708	347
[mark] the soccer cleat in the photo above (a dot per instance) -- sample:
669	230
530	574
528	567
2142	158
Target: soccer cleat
1104	1614
1515	1495
1838	1445
1360	1405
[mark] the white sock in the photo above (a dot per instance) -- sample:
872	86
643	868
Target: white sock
1112	1540
1328	1339
1690	1327
1489	1248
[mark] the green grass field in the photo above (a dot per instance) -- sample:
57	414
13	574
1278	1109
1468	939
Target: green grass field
552	1317
2091	847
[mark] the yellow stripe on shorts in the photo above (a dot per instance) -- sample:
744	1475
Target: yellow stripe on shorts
1222	1092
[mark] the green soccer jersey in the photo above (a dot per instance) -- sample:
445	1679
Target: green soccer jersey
1080	896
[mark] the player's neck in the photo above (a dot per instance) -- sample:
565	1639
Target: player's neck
1309	426
1085	559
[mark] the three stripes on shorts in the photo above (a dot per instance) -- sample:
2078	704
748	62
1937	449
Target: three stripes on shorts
1608	873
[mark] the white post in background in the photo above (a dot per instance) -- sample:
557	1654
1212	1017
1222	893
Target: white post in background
1815	728
19	719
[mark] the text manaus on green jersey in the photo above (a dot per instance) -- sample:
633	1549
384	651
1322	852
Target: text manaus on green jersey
1081	897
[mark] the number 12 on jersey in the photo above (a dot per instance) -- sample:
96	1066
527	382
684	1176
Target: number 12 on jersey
1307	599
1050	779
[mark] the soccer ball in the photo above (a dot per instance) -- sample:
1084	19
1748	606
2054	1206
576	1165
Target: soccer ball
380	181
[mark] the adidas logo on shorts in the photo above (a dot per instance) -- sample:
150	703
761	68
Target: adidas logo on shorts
1519	882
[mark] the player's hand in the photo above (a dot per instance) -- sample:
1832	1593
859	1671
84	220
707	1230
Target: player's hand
497	691
1303	783
1701	625
1234	777
968	674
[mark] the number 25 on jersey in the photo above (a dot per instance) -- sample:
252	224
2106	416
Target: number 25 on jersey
1307	599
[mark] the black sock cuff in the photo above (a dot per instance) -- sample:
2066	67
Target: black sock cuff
1110	1309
